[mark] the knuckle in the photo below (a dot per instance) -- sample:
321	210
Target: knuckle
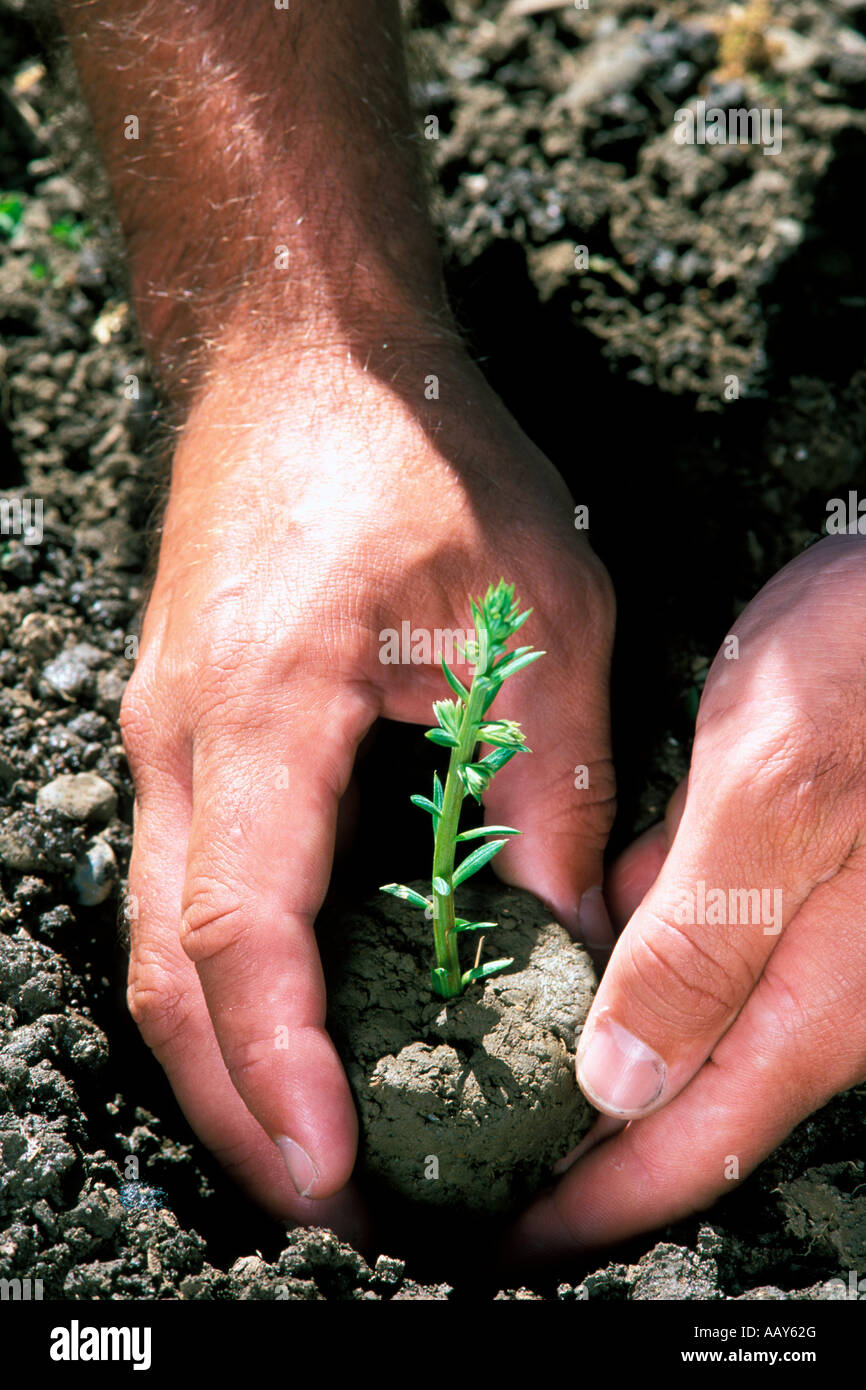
151	740
249	1058
591	594
213	919
601	595
681	983
137	724
809	796
160	1008
792	782
781	767
224	679
594	597
600	797
593	818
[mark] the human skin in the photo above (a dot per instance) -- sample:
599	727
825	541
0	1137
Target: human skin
749	1030
301	406
317	498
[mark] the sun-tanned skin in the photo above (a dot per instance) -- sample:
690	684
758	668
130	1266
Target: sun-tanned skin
299	376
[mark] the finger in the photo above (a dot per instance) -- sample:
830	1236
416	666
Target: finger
266	791
634	872
630	878
604	1127
347	819
800	1039
741	865
166	1001
562	797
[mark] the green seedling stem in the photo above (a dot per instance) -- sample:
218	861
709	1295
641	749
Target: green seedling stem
462	724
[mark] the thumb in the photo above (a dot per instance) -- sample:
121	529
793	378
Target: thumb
690	955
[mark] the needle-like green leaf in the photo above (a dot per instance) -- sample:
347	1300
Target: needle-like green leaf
476	860
445	740
456	685
479	830
481	972
508	668
512	656
399	890
492	762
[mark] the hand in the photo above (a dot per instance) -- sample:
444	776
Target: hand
315	502
714	1034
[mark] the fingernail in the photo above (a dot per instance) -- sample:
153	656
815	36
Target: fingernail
617	1071
593	921
302	1170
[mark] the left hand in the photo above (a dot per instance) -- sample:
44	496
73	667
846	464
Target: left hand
716	1030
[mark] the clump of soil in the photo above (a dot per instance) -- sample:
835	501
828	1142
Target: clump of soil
470	1101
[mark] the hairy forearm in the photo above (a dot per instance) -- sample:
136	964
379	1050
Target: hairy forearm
272	196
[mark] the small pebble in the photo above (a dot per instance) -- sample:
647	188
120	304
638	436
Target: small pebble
70	670
81	796
95	873
39	636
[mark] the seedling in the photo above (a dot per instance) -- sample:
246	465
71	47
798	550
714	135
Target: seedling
461	725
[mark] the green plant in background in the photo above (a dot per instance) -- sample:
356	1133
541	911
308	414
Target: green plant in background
71	232
11	212
463	724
